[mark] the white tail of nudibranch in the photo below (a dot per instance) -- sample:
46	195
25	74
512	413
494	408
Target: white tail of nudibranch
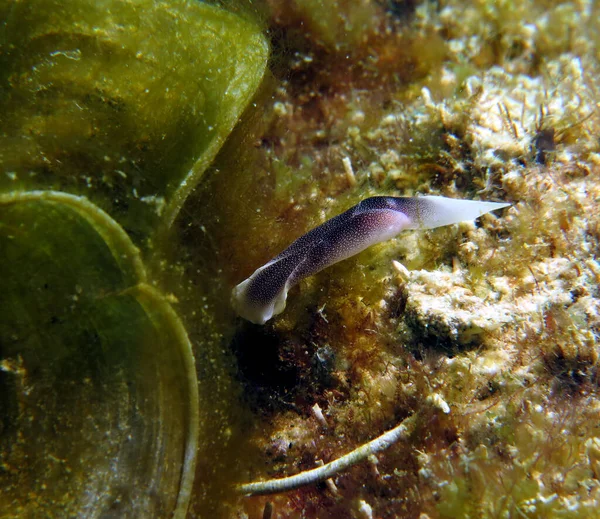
437	211
371	221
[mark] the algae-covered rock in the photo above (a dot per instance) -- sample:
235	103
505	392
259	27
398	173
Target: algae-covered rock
98	394
110	113
124	102
489	334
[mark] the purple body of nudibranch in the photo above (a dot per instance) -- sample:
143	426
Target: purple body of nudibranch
371	221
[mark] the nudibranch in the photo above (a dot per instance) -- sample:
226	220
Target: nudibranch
371	221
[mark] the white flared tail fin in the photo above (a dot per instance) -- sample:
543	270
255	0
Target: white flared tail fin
428	212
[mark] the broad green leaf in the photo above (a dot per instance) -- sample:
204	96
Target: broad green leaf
125	102
98	391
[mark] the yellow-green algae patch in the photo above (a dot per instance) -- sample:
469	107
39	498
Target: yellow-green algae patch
99	394
112	112
126	103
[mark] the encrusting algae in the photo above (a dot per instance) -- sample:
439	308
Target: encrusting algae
481	338
109	120
485	332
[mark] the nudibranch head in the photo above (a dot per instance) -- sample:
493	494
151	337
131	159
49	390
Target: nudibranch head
371	221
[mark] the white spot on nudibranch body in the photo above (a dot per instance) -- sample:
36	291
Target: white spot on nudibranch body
371	221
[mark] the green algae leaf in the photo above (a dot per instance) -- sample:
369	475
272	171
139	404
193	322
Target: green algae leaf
98	392
125	102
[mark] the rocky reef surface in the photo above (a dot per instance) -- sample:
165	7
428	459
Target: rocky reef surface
486	331
174	147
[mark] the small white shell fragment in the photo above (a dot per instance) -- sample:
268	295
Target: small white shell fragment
437	401
318	414
365	509
349	171
402	271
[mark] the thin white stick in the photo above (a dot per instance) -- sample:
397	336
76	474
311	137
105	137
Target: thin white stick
309	477
349	171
